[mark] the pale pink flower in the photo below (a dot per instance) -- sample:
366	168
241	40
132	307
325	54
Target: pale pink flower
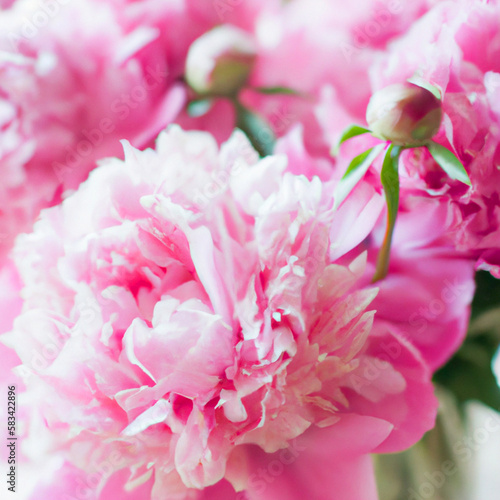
76	78
10	307
199	314
456	47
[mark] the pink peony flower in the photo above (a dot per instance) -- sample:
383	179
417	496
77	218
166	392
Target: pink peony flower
63	105
196	319
10	307
455	46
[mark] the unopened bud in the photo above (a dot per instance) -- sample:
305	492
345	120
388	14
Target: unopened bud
405	114
220	61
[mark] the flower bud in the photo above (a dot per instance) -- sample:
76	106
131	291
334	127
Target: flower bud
220	61
406	114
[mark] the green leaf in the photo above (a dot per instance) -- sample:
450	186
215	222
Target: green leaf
348	133
421	82
448	162
486	296
277	91
390	181
469	374
354	173
256	129
199	107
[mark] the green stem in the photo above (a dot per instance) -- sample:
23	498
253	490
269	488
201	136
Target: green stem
258	132
390	181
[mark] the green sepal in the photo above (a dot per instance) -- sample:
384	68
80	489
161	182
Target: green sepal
448	162
354	173
421	82
199	107
255	128
350	132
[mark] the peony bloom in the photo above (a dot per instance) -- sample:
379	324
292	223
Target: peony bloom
197	324
456	47
63	105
